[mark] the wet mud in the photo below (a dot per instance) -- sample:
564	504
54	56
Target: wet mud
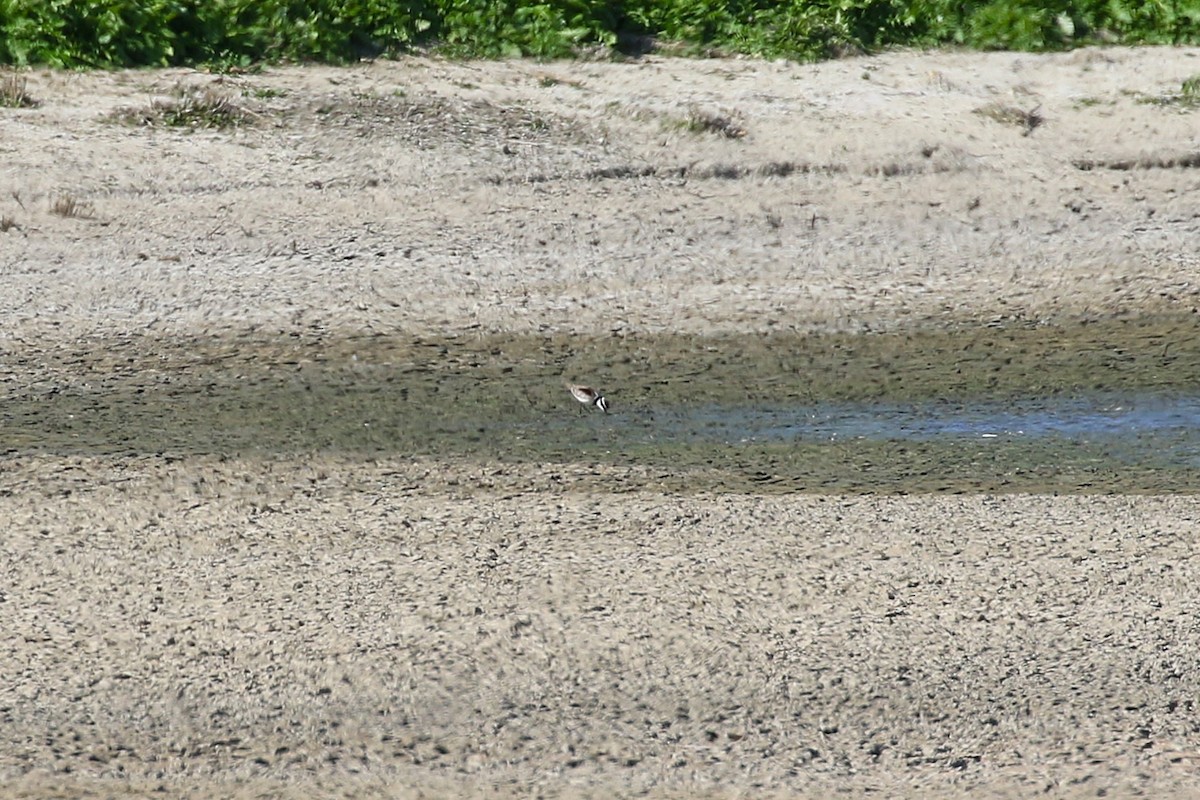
502	397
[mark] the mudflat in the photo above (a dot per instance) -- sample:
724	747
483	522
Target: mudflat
294	502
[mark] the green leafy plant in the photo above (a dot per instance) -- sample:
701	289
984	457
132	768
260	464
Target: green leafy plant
228	35
91	33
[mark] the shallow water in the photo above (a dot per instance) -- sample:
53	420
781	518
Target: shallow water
1159	429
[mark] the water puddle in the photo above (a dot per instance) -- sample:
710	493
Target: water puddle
1158	429
1079	417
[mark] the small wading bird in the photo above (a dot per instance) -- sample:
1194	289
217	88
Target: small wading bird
589	396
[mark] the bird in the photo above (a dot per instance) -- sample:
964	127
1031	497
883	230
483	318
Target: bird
589	396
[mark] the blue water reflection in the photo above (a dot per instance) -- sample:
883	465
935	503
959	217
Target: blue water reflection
1167	426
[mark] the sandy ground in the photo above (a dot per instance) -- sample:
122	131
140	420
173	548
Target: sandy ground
233	627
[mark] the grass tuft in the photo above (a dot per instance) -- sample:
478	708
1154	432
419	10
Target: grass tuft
1186	99
188	108
67	205
264	93
13	93
699	121
1011	115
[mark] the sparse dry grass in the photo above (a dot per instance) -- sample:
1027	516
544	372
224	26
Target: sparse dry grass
1186	99
7	224
67	205
426	119
1011	115
701	121
264	92
189	107
14	93
548	81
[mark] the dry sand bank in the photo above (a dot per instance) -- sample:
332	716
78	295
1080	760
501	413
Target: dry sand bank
437	197
503	631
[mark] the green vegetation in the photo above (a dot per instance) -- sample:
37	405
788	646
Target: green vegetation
226	34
